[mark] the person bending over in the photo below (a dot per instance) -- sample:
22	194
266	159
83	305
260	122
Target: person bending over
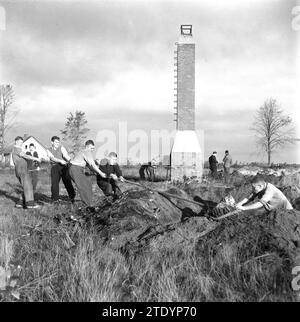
109	184
267	195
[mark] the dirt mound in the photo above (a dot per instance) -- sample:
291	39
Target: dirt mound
249	170
293	194
210	192
137	210
276	171
290	180
274	235
144	222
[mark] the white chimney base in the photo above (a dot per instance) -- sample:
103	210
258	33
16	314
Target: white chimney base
186	156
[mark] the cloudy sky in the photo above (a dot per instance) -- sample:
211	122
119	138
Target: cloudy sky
114	61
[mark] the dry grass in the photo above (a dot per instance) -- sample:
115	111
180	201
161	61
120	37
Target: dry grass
171	270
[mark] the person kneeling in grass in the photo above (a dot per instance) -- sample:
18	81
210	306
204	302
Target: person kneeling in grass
268	197
21	169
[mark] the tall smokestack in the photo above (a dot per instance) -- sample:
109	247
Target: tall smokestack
186	155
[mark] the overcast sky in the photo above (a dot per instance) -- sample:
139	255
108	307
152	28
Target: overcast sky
114	61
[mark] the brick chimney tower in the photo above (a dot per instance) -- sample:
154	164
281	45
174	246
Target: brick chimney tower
186	155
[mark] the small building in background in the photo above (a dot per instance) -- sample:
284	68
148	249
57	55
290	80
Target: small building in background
40	148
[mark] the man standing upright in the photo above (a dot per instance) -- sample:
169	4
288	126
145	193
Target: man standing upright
78	174
213	163
59	158
21	169
33	166
113	172
227	162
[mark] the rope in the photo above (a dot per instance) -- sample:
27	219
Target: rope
165	194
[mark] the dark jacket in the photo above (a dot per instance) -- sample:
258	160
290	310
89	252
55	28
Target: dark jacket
108	169
212	162
30	163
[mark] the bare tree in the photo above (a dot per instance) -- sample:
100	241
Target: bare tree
75	130
7	113
272	127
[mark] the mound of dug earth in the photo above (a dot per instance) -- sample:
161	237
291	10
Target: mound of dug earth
254	233
137	210
270	239
244	249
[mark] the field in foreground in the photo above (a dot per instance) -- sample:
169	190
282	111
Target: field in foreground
142	248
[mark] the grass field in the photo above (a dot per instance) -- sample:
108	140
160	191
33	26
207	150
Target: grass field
41	261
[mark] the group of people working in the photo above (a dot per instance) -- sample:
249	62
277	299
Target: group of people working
69	170
108	172
227	163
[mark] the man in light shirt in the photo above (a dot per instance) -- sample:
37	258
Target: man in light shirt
268	197
77	172
227	163
59	158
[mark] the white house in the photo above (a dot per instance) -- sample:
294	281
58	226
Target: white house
40	148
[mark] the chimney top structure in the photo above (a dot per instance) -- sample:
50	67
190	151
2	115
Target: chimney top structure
186	30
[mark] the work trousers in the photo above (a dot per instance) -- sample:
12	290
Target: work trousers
83	184
214	172
58	172
34	179
26	183
226	174
108	186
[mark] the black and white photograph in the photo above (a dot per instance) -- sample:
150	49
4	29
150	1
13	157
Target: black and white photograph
149	154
